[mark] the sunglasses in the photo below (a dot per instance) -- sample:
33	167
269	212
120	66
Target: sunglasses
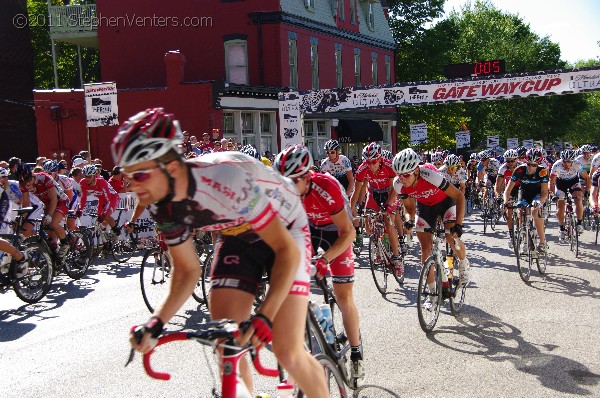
530	164
331	152
139	175
372	161
567	161
510	160
452	168
405	175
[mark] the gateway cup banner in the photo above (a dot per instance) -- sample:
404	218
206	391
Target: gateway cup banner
510	86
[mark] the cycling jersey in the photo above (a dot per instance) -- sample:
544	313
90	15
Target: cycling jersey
107	197
338	169
491	169
460	177
585	163
595	178
42	183
429	188
4	204
379	183
559	170
595	162
65	182
507	173
531	184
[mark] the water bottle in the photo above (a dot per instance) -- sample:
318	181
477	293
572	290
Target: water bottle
328	328
285	390
318	314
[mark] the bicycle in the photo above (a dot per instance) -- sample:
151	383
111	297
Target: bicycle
472	197
524	231
431	297
490	212
596	225
120	248
571	225
222	334
155	274
380	255
37	281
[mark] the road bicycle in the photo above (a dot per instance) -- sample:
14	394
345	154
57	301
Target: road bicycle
380	255
444	285
472	197
525	236
120	244
588	216
155	274
37	281
222	335
571	234
490	211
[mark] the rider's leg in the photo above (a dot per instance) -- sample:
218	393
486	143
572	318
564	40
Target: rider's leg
538	220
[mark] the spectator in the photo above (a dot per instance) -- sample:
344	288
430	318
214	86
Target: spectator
40	161
101	172
231	145
186	144
85	155
78	162
62	168
12	166
117	181
218	147
205	143
195	145
4	164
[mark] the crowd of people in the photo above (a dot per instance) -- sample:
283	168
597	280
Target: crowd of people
274	214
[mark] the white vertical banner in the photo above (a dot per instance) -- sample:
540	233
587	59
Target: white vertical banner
512	143
101	107
568	145
538	144
290	119
418	133
493	141
528	144
558	146
463	139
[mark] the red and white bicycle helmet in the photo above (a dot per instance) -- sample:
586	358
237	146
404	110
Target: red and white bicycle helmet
405	161
145	136
372	151
534	155
294	161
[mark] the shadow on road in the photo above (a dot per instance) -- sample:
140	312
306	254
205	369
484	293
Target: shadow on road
481	333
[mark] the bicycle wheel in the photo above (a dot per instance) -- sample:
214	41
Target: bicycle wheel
597	226
525	265
155	274
575	234
485	214
377	264
314	338
542	262
429	299
493	217
333	377
206	277
457	296
77	260
123	249
202	251
35	284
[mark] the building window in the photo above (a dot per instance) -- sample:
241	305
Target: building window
371	16
309	4
265	123
236	61
228	127
353	11
387	136
248	136
314	62
338	66
357	67
293	48
308	129
316	142
341	10
374	68
388	70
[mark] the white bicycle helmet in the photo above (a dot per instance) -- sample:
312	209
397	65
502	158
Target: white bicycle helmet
405	161
372	151
145	136
89	170
387	154
294	161
251	151
3	172
568	154
50	166
586	148
511	154
485	154
332	145
437	157
452	161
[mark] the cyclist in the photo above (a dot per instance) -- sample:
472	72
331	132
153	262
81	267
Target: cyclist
585	158
522	152
595	167
52	167
452	172
260	223
20	257
387	155
51	195
565	175
435	198
487	172
506	171
437	158
376	176
14	195
108	198
338	166
533	179
331	229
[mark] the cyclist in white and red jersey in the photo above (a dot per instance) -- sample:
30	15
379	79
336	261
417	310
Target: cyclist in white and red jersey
331	229
52	167
435	198
375	176
455	174
338	166
53	198
564	177
108	198
505	173
260	224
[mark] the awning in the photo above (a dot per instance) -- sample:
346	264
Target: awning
359	130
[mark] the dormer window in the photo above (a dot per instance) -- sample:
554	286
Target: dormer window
341	10
236	61
309	4
371	16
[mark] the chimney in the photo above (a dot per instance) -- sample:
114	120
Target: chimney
175	66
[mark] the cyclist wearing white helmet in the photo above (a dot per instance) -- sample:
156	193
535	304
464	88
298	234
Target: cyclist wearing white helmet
437	158
108	198
564	177
375	176
331	229
13	191
52	168
487	172
435	198
455	174
585	158
595	171
338	166
505	173
260	224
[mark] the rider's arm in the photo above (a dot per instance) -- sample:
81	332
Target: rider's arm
410	207
351	184
356	195
499	180
83	198
25	202
552	183
588	181
594	196
53	195
480	176
508	190
346	236
392	195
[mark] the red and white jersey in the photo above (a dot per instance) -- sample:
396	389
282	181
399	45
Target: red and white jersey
460	177
429	189
42	183
325	197
107	196
380	180
232	194
66	183
546	164
559	170
506	173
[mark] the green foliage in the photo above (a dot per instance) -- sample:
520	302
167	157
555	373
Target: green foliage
66	54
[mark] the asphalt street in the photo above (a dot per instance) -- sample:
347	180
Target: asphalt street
511	340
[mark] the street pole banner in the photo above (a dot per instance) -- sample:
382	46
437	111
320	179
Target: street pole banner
538	144
512	143
418	133
528	144
463	139
558	146
493	141
290	119
101	107
568	145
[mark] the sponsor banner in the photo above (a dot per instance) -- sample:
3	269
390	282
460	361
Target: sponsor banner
418	133
528	144
558	146
463	139
538	144
101	104
493	141
290	119
512	143
568	145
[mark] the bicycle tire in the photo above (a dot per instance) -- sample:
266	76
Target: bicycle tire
123	249
155	273
77	261
333	377
378	269
457	296
485	213
428	315
597	225
524	265
314	338
493	218
202	251
35	285
206	278
542	263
